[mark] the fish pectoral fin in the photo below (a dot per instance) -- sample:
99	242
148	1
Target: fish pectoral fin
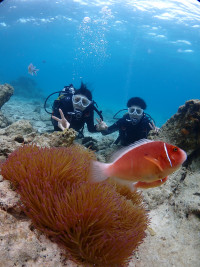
154	161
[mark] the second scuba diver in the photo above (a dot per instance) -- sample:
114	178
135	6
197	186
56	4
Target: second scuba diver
74	108
134	125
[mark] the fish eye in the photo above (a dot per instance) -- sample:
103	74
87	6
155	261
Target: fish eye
175	149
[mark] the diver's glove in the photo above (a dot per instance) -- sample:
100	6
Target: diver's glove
62	123
101	126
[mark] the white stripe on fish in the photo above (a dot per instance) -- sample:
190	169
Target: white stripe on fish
167	154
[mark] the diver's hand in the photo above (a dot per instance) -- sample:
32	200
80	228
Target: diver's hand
153	127
101	126
62	123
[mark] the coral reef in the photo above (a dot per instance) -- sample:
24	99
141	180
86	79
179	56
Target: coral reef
96	224
183	128
22	132
13	136
6	91
89	142
20	127
3	120
56	139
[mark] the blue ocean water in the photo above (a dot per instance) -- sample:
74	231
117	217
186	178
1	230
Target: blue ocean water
120	48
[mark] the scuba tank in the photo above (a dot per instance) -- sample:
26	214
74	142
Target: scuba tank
66	91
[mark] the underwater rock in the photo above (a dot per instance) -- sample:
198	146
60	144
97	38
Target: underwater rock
7	146
175	214
22	132
105	148
183	128
21	245
89	142
55	139
3	121
21	127
9	199
6	91
14	136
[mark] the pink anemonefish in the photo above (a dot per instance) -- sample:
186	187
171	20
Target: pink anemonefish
145	164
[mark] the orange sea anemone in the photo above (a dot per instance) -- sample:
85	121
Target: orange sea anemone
97	224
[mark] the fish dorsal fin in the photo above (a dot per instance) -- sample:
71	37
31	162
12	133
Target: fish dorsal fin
124	150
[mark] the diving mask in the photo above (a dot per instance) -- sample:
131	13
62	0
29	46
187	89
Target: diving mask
135	110
80	101
135	114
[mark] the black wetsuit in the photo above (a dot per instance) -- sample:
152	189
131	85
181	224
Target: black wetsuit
129	132
76	120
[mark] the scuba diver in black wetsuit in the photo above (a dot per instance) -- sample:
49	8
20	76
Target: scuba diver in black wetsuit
134	125
75	109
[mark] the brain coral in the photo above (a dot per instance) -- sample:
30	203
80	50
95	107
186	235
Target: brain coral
96	224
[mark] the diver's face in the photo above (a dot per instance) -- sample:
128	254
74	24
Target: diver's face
135	113
80	102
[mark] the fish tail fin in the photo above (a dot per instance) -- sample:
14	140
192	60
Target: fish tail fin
98	171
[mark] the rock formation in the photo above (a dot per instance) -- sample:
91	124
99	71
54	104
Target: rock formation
183	128
22	132
6	91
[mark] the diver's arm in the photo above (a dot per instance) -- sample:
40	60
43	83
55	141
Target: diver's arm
111	129
62	123
101	125
153	127
91	128
90	123
148	125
